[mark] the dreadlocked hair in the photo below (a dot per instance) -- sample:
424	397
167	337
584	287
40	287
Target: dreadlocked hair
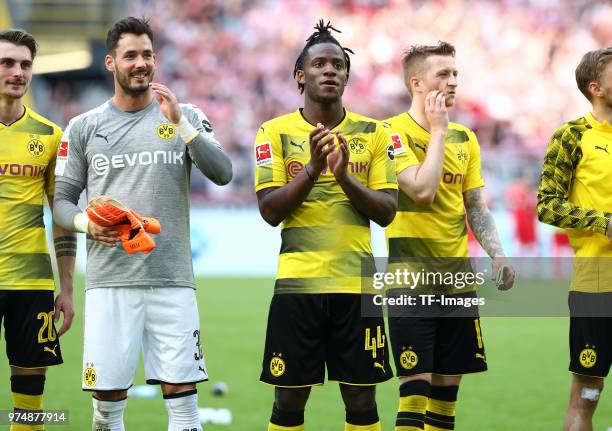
321	35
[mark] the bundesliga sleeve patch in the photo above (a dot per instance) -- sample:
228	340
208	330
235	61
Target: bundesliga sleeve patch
263	154
62	150
62	158
398	145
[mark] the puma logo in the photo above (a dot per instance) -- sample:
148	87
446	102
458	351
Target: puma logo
479	356
102	136
423	148
201	369
52	351
597	147
300	146
379	365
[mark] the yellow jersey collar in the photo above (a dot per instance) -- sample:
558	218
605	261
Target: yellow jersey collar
305	122
604	125
414	126
26	114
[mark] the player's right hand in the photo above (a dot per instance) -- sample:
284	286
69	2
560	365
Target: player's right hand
105	235
64	305
321	144
502	273
435	111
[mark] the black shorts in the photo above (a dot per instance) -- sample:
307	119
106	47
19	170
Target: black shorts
307	331
439	345
31	339
590	337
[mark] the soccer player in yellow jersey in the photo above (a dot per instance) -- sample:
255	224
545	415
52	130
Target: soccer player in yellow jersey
324	172
575	193
28	148
440	180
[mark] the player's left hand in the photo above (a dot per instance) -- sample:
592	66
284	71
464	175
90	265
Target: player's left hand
502	273
339	158
65	305
167	102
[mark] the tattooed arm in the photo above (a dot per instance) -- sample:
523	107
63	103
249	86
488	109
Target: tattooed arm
65	255
483	226
481	222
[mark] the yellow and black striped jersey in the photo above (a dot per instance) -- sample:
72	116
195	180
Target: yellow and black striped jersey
439	229
575	193
28	150
325	239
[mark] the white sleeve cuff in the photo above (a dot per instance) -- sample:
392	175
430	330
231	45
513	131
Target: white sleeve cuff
81	222
186	130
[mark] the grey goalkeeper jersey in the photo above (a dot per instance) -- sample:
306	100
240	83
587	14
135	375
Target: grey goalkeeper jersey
138	158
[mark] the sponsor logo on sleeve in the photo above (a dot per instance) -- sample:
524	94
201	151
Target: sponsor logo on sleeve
62	158
207	126
263	154
398	145
294	168
62	150
390	152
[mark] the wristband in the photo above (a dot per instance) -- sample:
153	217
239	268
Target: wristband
186	130
81	222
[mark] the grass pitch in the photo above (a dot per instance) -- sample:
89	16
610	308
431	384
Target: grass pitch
525	388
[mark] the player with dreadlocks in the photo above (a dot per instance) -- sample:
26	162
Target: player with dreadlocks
324	172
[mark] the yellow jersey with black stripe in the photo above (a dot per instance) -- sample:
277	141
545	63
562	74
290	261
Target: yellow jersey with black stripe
28	149
439	229
575	193
326	240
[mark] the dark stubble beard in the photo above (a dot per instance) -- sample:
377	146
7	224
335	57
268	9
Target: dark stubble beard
123	81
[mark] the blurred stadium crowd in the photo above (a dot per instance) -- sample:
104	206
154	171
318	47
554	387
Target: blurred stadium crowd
235	58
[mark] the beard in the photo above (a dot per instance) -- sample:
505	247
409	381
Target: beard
450	101
123	79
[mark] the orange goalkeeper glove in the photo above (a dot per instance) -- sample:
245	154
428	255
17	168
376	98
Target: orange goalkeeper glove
132	227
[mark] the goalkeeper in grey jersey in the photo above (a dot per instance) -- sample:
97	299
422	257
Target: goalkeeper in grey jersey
139	148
